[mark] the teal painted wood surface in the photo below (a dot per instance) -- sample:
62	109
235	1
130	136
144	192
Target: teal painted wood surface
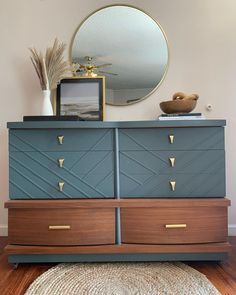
184	139
158	162
187	185
74	140
83	163
196	173
115	124
117	184
85	174
39	258
117	162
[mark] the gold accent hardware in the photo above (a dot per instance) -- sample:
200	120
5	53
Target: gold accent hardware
176	225
53	227
172	162
73	42
173	184
61	162
60	139
171	138
61	185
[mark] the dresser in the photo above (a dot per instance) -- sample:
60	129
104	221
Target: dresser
117	191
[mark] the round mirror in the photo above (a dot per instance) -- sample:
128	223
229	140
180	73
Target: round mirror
126	46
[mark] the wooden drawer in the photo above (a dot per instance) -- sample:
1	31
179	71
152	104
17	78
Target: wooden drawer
79	163
188	185
171	138
73	140
62	226
174	225
172	162
198	173
36	175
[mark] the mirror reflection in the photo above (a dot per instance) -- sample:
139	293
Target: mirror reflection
126	46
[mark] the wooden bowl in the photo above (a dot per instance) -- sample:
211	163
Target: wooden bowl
178	106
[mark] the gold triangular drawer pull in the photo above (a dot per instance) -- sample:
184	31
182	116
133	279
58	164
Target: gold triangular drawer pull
172	162
173	185
61	185
171	138
61	162
60	139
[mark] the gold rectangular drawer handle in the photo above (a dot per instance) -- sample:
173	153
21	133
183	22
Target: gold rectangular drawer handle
171	138
60	139
176	225
56	227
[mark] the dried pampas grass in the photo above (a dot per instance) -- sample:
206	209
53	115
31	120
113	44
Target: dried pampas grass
51	67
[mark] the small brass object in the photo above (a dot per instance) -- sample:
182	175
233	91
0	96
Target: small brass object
61	162
55	227
60	139
175	225
171	138
172	162
61	185
173	185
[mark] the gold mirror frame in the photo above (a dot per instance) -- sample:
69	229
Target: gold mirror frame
161	29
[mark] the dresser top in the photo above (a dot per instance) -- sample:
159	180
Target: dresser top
115	124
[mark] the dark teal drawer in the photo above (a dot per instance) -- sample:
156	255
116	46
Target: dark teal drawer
186	185
74	140
183	138
169	162
79	163
85	175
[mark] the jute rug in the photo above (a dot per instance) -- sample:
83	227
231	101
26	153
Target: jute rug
157	278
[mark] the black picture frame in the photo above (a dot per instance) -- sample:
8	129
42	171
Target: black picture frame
81	96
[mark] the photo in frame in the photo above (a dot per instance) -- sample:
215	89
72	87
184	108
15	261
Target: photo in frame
81	96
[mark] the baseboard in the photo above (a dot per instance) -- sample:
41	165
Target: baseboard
232	229
3	230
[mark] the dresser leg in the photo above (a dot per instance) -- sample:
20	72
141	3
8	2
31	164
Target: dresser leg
15	266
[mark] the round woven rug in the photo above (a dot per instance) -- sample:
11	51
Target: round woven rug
158	278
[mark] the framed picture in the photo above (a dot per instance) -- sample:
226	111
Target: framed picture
83	97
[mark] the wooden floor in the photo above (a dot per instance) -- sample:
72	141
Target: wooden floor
15	282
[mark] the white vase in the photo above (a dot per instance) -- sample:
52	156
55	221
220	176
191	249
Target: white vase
47	109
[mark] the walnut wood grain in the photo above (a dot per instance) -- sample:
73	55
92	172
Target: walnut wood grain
112	203
87	226
147	225
222	275
123	248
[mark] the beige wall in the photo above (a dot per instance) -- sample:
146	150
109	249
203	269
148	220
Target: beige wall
202	44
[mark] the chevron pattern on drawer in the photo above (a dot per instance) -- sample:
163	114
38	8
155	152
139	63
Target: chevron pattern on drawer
197	170
187	185
74	140
158	162
36	174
